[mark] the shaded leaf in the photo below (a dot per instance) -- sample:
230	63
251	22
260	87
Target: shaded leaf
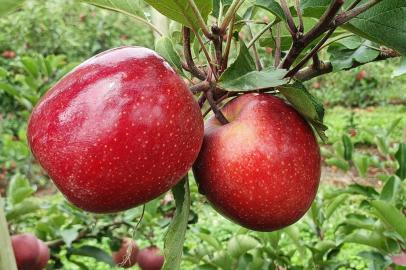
165	48
334	204
272	6
175	235
69	235
390	189
401	158
8	6
19	189
391	216
243	64
305	104
93	252
401	70
255	80
240	244
180	10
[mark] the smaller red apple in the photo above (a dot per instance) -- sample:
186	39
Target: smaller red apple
9	54
268	50
316	85
126	256
399	259
266	19
30	252
150	258
361	75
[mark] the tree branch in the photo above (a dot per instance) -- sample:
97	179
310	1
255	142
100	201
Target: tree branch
229	15
350	14
311	72
300	16
228	46
213	105
314	51
200	87
289	19
192	68
278	46
200	20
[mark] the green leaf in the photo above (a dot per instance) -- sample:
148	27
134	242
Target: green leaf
368	238
362	190
9	89
216	6
19	189
8	6
222	260
337	202
401	70
69	236
294	234
390	189
343	58
243	64
255	80
348	147
361	163
339	163
306	104
28	206
210	240
391	216
383	23
175	235
240	244
272	6
3	72
314	8
94	252
401	158
165	48
180	10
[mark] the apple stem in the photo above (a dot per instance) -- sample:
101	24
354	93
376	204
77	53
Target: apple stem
7	260
213	105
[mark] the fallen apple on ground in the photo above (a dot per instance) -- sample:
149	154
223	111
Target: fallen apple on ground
119	130
262	169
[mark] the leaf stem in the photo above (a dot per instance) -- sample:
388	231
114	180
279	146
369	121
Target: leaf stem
289	18
193	69
200	20
229	15
260	33
213	105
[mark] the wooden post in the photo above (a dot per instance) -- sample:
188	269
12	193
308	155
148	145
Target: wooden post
7	260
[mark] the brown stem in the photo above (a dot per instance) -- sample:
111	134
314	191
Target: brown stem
218	45
192	68
200	87
322	26
316	61
316	48
350	14
278	46
300	16
310	72
289	19
217	112
228	46
354	4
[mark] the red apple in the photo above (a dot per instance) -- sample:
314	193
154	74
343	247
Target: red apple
118	131
150	259
30	252
43	257
261	170
361	75
126	256
9	54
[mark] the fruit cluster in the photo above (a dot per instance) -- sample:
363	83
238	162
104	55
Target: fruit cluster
123	128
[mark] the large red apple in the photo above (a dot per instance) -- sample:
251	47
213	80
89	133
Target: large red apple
30	252
119	130
261	170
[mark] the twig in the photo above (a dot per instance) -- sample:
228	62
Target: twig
229	15
350	14
200	20
206	53
310	72
300	16
260	33
353	5
322	26
303	62
217	112
316	61
258	63
195	71
200	87
289	19
228	46
278	46
218	45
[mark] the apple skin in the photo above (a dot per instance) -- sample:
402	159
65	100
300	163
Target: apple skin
261	170
119	130
30	252
122	258
150	258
